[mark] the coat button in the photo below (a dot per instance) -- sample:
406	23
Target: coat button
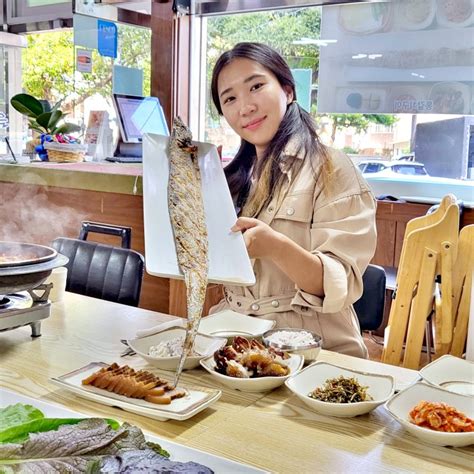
275	303
290	211
255	307
270	209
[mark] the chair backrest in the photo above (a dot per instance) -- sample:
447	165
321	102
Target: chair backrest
102	271
370	307
124	233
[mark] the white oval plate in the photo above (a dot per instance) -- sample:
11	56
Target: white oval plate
380	387
401	404
259	384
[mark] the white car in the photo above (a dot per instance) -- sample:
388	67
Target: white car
372	168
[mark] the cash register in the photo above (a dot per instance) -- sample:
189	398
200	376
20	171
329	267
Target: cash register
135	116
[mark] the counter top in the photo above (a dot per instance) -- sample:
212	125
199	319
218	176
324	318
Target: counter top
106	177
274	431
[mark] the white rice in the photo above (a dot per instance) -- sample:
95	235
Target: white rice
288	338
171	348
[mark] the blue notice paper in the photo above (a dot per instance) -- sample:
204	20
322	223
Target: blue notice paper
127	80
303	78
85	31
107	34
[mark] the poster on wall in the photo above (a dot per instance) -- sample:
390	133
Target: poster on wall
409	56
83	60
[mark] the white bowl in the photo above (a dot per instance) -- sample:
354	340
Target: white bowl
310	352
380	387
203	346
451	373
228	323
402	403
259	384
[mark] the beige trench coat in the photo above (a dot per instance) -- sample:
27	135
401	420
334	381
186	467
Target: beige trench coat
339	227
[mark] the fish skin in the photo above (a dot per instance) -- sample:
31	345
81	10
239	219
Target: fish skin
188	222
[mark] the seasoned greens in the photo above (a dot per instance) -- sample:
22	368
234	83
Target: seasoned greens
341	390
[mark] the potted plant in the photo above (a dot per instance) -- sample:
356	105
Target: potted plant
46	120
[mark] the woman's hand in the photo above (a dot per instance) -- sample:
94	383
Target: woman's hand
261	240
301	266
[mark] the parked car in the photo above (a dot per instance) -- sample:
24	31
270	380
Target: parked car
392	168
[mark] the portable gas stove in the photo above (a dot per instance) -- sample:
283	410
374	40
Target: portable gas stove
26	307
23	270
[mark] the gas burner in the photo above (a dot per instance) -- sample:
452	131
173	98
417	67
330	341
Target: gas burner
25	308
21	300
5	302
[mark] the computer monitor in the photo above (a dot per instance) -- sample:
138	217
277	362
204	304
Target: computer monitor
138	115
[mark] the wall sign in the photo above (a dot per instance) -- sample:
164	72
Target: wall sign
107	38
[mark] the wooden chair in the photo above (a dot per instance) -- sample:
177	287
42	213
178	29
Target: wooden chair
462	289
429	249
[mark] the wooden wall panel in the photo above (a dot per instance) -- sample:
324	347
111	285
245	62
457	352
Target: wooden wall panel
384	252
39	214
178	298
392	218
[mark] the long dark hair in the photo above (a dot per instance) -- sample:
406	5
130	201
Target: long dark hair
295	123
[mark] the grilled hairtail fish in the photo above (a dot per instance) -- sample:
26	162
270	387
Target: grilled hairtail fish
186	211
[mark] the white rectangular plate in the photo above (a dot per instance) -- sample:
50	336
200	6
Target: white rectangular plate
228	258
177	451
180	409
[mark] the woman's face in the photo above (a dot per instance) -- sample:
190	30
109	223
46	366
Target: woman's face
253	101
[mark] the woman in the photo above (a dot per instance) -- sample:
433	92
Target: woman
307	216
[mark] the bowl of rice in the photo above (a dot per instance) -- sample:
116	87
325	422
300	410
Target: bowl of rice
295	341
163	349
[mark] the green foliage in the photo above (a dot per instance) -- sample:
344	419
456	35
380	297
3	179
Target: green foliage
350	151
49	71
41	117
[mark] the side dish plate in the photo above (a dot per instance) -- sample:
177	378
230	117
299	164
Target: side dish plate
194	402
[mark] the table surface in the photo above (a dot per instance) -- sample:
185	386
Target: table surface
273	431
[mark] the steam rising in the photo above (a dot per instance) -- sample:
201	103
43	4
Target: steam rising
37	213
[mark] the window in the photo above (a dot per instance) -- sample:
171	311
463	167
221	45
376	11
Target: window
438	141
410	170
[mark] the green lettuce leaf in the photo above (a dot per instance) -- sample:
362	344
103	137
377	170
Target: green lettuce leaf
18	421
90	446
18	414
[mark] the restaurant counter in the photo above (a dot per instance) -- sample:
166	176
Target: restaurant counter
274	431
92	176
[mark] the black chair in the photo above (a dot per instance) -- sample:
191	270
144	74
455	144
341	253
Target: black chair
102	271
370	307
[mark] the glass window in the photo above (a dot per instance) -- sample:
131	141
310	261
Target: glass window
440	142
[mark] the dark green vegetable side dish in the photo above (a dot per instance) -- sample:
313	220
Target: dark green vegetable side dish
31	442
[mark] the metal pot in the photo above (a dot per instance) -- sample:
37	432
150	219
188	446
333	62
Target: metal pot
29	266
16	253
